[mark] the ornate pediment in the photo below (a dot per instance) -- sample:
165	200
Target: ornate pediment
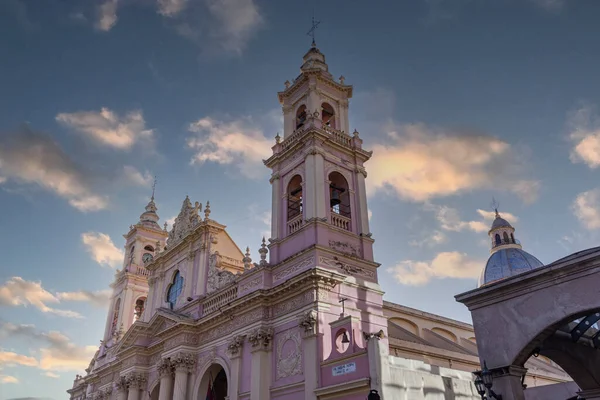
185	222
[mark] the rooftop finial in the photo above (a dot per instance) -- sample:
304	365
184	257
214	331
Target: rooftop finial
495	206
313	28
153	188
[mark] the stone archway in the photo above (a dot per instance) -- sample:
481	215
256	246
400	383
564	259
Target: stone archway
216	376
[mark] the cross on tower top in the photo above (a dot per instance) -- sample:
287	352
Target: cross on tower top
312	30
153	187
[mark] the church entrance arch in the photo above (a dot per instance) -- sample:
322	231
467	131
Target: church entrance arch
214	384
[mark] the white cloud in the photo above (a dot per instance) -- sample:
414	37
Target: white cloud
235	142
171	8
107	15
50	374
32	158
102	249
2	180
450	219
108	128
134	176
19	292
8	379
586	208
369	214
422	163
584	126
436	237
57	352
236	22
99	298
444	265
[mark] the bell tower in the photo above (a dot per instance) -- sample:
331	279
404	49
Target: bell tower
318	178
130	287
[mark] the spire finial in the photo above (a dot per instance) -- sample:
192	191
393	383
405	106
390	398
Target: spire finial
313	28
207	210
247	260
495	205
153	188
263	252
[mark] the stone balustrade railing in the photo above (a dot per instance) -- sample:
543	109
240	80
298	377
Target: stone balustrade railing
139	270
339	136
295	224
219	299
341	222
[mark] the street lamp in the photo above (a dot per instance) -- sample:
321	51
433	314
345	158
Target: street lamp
483	383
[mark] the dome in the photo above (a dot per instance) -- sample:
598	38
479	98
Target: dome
500	222
508	262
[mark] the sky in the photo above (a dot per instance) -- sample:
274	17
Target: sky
461	102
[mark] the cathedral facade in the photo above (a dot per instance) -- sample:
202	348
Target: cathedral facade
194	317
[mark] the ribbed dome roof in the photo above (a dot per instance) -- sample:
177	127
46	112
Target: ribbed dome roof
505	263
500	222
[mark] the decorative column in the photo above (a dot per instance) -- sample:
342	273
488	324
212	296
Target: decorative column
184	364
149	306
309	190
507	382
121	388
135	382
363	210
379	369
289	120
165	371
320	196
276	202
235	354
261	340
308	323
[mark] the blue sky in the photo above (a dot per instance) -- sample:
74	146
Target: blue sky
460	100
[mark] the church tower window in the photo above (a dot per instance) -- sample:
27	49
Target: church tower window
175	289
139	308
149	248
328	115
294	197
498	241
115	320
300	116
505	237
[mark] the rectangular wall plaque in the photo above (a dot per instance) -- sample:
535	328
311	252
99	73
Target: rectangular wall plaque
343	369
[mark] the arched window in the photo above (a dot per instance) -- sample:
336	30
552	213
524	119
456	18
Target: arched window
328	115
505	236
149	248
175	289
300	116
498	240
294	192
115	320
139	308
512	237
339	195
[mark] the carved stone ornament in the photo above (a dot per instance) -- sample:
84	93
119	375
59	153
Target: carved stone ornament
217	278
165	367
121	383
185	222
136	380
289	360
345	247
235	346
347	268
287	271
308	321
184	361
378	335
261	338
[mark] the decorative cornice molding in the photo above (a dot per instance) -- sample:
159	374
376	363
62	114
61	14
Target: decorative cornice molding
184	361
261	338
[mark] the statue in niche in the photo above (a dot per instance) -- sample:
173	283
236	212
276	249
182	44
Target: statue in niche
217	278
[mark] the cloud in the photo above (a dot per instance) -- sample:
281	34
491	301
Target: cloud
171	8
107	15
132	175
57	352
2	180
32	158
436	237
237	142
450	219
51	375
8	379
586	208
422	163
236	22
19	292
99	298
107	128
444	265
9	359
369	214
584	127
102	249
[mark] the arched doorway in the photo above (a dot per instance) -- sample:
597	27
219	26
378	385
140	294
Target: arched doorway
155	392
214	384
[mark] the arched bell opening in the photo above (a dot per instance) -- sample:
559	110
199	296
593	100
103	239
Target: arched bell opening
339	195
115	319
300	116
214	384
140	305
294	195
328	115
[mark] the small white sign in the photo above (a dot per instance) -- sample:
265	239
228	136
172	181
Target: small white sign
344	369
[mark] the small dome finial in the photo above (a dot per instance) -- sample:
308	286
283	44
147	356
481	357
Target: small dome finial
207	210
495	206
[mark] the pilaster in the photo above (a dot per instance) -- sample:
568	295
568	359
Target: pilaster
261	341
183	364
507	382
234	349
363	210
121	386
310	196
165	370
379	369
308	323
321	198
276	206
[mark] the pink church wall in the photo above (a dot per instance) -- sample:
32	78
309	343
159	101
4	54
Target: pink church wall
246	369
